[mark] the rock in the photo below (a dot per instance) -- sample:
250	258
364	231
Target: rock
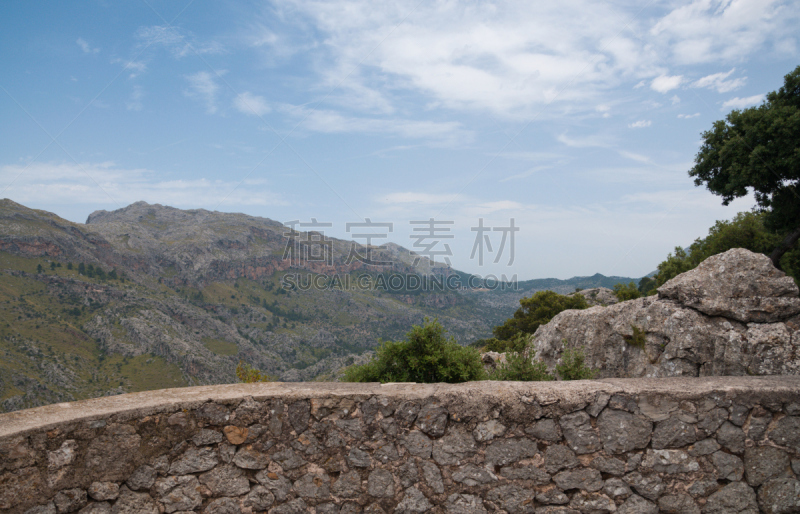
678	504
259	498
207	437
96	508
433	477
488	430
296	506
637	505
69	500
63	456
558	457
129	502
299	414
734	498
223	506
413	502
288	459
780	496
616	488
670	462
651	487
142	479
512	498
48	508
226	480
581	436
313	486
704	447
408	474
583	479
673	433
464	504
380	484
537	475
417	444
762	463
249	457
327	508
277	484
786	432
546	430
731	437
358	458
348	485
406	413
451	449
432	419
737	284
385	452
213	414
622	432
177	493
610	465
552	496
471	475
195	460
598	296
729	467
594	502
102	491
352	427
234	434
107	455
506	451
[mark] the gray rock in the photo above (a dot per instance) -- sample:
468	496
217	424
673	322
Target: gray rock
704	447
552	496
314	486
348	485
207	437
703	488
796	466
556	510
48	508
96	508
471	475
251	412
673	433
380	484
637	505
738	414
505	451
385	452
537	475
622	432
598	296
616	488
593	502
669	461
413	502
226	452
731	437
623	402
142	479
327	508
651	487
584	479
259	498
307	443
408	474
195	460
108	454
222	506
102	491
350	508
288	459
780	496
278	485
678	504
70	500
296	506
251	457
432	419
737	284
352	427
558	457
177	493
358	458
299	414
488	430
512	498
433	477
757	427
581	436
464	504
610	465
129	502
417	444
546	430
729	467
734	498
710	421
213	414
786	432
406	413
226	480
761	463
454	447
599	403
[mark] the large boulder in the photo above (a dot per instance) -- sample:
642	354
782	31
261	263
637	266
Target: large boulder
735	314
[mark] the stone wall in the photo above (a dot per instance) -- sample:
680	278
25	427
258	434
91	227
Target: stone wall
678	445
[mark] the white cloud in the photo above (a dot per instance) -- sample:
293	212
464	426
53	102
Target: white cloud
251	104
584	142
173	40
665	83
687	116
203	88
86	47
675	100
718	81
635	156
420	198
134	67
640	124
135	101
741	103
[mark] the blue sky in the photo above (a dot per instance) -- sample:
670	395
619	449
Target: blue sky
578	119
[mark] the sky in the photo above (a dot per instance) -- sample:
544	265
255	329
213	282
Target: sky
574	121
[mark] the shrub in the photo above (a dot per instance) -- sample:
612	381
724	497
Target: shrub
537	310
426	355
626	292
248	375
520	366
637	339
573	367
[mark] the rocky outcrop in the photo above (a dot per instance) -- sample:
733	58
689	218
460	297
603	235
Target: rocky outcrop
735	314
598	296
719	445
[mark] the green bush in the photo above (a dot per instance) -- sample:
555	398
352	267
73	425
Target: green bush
520	366
426	355
625	292
573	367
537	310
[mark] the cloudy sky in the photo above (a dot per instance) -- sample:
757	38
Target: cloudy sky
578	119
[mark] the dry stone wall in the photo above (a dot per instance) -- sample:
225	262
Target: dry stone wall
677	445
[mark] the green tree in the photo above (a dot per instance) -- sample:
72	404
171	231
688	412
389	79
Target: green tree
69	265
537	310
39	268
521	366
573	366
426	355
625	292
52	265
646	284
758	149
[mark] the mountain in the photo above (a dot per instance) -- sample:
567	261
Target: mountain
149	296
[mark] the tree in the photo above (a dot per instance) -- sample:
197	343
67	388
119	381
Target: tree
626	292
758	149
537	310
39	268
426	355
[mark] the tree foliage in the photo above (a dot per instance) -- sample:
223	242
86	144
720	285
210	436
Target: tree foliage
522	366
625	292
248	374
537	310
573	366
758	149
426	355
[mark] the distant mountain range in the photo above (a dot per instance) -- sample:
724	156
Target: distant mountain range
150	296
